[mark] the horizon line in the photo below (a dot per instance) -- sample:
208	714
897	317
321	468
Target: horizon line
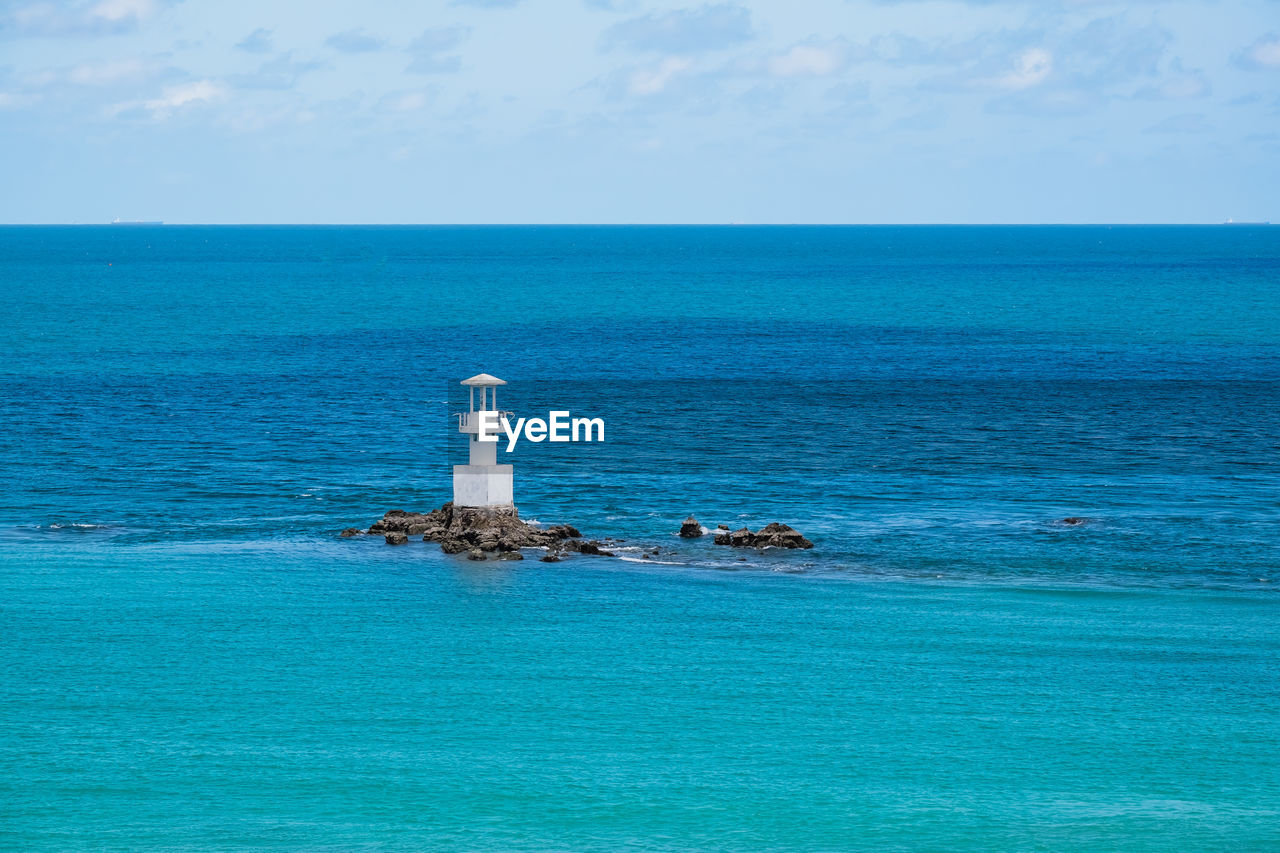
166	224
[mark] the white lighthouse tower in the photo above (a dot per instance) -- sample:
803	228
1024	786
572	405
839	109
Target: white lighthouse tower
482	481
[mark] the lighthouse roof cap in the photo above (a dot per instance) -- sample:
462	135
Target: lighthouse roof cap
483	380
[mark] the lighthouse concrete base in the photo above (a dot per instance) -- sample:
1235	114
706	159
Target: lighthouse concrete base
482	485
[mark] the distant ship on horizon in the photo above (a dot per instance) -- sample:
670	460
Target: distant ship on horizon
1234	222
119	221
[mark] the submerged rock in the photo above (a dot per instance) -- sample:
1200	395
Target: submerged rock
397	537
690	528
592	548
348	532
1074	520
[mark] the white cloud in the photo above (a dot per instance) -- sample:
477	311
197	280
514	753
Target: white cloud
1030	68
106	16
810	59
654	80
405	102
174	97
1262	55
1268	53
16	100
117	11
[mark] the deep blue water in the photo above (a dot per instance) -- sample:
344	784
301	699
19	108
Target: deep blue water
193	660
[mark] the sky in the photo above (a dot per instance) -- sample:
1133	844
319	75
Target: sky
639	111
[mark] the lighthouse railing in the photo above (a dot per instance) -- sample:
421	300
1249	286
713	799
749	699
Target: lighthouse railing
469	422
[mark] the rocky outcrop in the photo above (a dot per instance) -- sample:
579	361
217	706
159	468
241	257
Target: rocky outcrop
349	532
690	528
481	530
592	547
773	535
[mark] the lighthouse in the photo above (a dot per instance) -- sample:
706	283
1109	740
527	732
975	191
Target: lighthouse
482	481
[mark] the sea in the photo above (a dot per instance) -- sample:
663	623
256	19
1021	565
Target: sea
193	659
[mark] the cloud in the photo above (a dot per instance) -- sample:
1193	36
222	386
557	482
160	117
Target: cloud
1030	68
1043	71
258	41
354	41
178	97
431	50
279	73
17	100
1262	55
651	81
103	17
710	27
406	101
812	58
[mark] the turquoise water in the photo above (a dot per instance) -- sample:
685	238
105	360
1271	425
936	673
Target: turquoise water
192	660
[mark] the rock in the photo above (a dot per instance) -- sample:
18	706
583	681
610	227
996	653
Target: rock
1074	520
348	532
397	537
723	527
773	535
777	535
475	554
644	556
551	557
460	529
411	523
511	555
690	528
592	548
